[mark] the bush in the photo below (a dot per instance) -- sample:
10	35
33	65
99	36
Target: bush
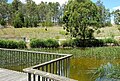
63	33
37	43
47	23
12	44
110	40
21	44
2	22
67	43
8	44
51	43
3	44
82	43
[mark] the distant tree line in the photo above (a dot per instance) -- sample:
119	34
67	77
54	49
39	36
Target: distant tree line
30	14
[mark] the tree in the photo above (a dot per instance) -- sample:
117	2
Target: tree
105	15
81	18
15	5
18	20
3	12
116	14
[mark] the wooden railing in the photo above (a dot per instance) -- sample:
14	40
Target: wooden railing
43	66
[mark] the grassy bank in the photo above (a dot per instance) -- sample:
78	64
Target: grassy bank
98	52
52	32
108	32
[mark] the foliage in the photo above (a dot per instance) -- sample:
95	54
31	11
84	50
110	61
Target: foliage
116	14
21	44
51	43
2	22
37	43
119	28
82	43
107	72
12	44
93	52
105	18
110	40
43	12
3	44
81	18
88	43
31	21
48	43
18	20
63	32
67	43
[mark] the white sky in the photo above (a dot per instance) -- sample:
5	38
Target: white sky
38	1
115	8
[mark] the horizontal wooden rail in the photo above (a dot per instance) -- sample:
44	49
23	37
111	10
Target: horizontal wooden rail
33	52
51	61
48	75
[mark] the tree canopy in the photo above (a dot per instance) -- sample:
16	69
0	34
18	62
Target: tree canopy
116	14
81	18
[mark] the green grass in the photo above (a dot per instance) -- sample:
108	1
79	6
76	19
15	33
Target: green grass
52	32
98	52
108	32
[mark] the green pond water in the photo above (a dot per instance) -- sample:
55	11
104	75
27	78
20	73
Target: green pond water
82	69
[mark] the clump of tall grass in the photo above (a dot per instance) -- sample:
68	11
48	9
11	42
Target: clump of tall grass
108	72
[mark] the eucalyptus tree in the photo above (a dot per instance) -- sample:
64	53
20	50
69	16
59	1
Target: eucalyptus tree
31	14
3	12
81	18
116	14
105	18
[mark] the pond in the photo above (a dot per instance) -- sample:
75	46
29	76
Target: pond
82	69
85	62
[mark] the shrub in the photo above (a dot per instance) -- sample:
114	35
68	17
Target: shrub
67	43
3	44
88	43
21	44
51	43
110	41
63	33
37	43
2	22
12	44
47	23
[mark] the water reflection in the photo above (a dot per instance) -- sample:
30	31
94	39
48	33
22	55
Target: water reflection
82	69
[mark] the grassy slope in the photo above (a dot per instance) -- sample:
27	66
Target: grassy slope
108	32
52	32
